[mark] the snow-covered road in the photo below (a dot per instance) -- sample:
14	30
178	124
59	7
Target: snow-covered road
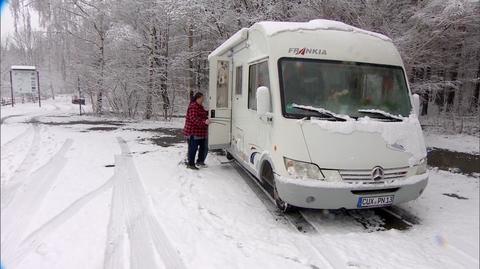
84	192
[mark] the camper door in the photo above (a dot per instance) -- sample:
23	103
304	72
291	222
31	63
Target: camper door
220	103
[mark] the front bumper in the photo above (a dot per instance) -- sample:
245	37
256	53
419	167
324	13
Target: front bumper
334	195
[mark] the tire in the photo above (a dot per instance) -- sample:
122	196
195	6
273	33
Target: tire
283	206
268	177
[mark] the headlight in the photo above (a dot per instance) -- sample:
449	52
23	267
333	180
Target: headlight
302	170
422	166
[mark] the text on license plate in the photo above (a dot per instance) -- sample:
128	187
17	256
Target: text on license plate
375	201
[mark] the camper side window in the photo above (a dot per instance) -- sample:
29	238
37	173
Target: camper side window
238	80
257	76
222	83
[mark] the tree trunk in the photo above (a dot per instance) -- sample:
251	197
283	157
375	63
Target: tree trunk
151	73
102	74
191	79
475	105
425	100
164	77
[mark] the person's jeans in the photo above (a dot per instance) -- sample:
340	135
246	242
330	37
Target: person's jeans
205	151
195	144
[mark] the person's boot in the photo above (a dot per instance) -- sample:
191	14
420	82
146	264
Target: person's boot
201	164
193	167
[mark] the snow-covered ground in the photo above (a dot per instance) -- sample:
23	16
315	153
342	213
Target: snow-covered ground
79	194
460	142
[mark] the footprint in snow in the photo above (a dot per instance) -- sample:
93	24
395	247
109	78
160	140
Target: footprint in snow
357	265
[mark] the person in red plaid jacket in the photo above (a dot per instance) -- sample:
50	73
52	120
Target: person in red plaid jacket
196	131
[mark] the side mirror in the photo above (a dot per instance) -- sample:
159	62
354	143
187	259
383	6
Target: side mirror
416	104
263	101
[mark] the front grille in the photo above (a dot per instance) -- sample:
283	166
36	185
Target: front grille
366	175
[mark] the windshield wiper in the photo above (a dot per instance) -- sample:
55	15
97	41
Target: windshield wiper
381	114
321	111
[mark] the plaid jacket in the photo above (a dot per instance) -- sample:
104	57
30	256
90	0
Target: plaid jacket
195	121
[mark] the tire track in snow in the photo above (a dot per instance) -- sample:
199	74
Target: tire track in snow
9	116
298	221
310	259
132	213
474	262
10	188
34	123
34	239
319	258
17	215
294	219
18	138
115	248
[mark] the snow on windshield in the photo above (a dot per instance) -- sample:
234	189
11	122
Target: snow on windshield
378	111
323	111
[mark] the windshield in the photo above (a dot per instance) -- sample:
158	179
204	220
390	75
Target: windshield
342	87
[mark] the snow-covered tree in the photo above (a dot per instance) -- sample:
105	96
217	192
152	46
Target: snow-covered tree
146	57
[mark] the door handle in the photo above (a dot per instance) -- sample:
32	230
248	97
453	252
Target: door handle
212	113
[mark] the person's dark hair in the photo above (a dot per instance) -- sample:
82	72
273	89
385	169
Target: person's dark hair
196	96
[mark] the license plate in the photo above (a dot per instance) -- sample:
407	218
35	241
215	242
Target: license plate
376	201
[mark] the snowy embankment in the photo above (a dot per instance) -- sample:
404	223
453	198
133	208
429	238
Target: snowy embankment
84	192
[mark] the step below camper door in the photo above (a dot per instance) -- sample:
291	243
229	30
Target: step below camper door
220	92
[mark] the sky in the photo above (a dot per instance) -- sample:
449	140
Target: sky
7	19
7	26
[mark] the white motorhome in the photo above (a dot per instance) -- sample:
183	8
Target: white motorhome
320	113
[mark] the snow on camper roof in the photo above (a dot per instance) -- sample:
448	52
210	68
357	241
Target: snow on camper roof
23	67
272	28
234	40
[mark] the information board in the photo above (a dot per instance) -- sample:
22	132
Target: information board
24	82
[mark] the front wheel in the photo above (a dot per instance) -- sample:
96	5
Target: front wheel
281	205
269	178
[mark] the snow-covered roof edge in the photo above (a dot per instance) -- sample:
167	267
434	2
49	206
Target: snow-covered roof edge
23	67
272	28
234	40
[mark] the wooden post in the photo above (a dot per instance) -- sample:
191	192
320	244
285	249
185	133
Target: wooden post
51	89
79	96
11	85
38	86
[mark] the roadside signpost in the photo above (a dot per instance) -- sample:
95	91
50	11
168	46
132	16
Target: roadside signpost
38	87
11	86
79	96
